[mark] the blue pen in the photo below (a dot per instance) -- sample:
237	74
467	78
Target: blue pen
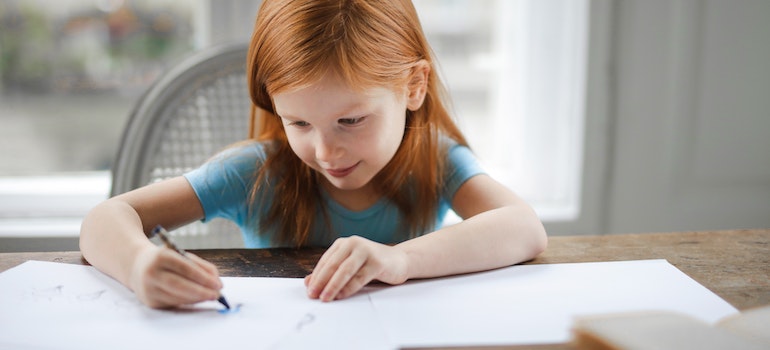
163	234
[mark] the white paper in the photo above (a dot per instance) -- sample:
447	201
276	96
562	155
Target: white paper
65	306
61	306
531	304
343	324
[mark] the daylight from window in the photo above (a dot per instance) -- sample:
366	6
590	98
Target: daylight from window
71	71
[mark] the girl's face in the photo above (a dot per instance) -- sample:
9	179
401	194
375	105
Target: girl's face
347	136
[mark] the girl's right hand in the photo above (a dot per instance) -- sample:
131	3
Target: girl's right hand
161	278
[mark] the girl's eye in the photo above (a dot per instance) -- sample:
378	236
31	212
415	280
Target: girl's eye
300	124
351	121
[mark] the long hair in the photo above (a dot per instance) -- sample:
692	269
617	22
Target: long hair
368	44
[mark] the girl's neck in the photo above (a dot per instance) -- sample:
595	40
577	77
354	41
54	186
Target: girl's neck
354	200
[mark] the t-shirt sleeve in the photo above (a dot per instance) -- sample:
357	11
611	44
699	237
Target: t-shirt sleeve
223	184
461	166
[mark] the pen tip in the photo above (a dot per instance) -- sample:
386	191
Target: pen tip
224	302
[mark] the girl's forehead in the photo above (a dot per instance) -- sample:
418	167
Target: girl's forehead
335	83
331	98
329	72
331	93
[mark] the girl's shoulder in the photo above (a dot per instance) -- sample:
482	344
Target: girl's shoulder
242	157
458	155
448	145
245	150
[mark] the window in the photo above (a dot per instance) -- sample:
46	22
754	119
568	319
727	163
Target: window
516	71
71	70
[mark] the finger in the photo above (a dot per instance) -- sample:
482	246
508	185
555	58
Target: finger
342	276
161	291
159	299
210	268
358	281
162	298
188	268
324	272
180	290
328	255
321	276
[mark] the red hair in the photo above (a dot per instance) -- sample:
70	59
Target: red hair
368	44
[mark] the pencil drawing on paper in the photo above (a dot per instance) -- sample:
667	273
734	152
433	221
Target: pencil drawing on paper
58	292
306	320
61	294
231	310
91	296
42	294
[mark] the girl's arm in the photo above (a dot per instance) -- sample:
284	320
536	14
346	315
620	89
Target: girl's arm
499	229
113	238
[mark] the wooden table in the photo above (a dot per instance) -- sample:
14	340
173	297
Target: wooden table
733	264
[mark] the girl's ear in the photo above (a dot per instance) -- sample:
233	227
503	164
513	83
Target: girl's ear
418	85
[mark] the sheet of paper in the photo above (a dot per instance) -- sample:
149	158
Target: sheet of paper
531	304
61	306
343	324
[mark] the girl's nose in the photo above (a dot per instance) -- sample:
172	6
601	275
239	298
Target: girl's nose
327	148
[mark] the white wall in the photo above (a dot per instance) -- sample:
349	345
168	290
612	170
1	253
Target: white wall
678	124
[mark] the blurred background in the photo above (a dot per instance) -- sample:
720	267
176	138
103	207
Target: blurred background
70	72
607	116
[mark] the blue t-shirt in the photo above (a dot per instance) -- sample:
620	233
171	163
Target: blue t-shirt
223	186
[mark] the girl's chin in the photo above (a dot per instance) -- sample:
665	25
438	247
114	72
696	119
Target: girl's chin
346	184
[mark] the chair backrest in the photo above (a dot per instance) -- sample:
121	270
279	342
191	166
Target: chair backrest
196	109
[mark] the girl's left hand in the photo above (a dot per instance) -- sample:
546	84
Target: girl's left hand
353	262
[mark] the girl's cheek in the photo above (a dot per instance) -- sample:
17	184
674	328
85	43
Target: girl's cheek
300	148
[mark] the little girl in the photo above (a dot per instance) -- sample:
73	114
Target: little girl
354	150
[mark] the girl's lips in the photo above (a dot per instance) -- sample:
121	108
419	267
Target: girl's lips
342	172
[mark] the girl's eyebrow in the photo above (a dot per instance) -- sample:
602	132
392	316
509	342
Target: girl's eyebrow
353	108
353	111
